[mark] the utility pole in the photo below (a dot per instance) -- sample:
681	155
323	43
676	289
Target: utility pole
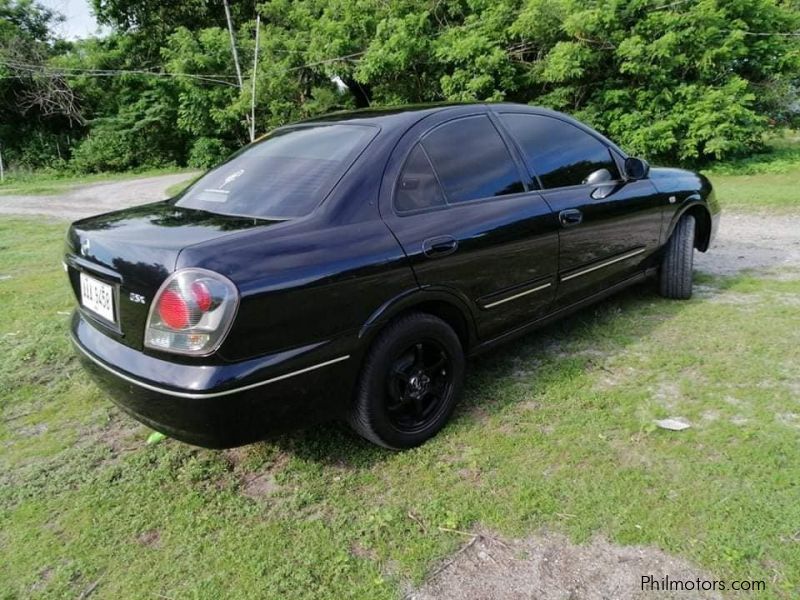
253	90
236	59
2	174
233	43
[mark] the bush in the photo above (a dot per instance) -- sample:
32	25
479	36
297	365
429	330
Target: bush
105	149
207	152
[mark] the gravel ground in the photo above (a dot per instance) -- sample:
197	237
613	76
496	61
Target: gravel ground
760	242
87	200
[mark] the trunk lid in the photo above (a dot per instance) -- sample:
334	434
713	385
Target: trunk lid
133	251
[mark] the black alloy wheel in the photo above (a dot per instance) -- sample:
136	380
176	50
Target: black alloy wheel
419	382
410	382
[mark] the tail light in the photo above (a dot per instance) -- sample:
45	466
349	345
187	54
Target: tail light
191	313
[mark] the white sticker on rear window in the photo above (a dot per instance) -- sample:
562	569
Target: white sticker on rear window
213	195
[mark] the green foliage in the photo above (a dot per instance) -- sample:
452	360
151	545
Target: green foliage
105	149
688	82
679	84
207	152
140	135
781	155
204	107
32	134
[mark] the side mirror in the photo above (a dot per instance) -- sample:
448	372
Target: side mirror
636	168
598	177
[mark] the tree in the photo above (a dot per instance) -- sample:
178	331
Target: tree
38	108
677	82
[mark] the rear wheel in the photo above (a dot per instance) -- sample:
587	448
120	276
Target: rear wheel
410	382
675	280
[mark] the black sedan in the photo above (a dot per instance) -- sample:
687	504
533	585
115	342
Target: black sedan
347	266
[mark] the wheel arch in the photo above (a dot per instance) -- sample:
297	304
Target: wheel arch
445	305
702	216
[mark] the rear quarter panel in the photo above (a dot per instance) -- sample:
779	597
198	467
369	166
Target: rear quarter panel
305	285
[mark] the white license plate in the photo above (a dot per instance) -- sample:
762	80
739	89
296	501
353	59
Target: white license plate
98	297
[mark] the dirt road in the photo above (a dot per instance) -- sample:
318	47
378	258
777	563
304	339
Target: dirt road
96	198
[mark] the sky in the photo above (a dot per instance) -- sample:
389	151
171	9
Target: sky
79	20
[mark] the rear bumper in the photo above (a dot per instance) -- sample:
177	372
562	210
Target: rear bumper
221	405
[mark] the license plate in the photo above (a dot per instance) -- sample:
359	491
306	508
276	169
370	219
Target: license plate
98	297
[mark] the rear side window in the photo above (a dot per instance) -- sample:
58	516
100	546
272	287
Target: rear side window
285	175
417	187
472	160
558	152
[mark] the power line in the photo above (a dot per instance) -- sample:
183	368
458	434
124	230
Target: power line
764	33
13	63
52	72
229	80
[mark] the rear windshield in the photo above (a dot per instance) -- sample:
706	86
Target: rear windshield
283	176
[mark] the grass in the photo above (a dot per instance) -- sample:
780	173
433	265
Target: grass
49	183
555	431
177	188
747	193
762	181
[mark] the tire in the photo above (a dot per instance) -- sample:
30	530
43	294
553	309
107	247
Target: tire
675	280
411	380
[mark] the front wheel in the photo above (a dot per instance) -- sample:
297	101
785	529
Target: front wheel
675	280
411	380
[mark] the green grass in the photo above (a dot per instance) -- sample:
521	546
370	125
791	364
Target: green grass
49	183
746	193
555	431
177	188
763	181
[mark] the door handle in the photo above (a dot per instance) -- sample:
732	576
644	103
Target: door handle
439	246
570	217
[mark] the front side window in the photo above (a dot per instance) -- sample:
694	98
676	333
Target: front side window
558	152
472	160
285	175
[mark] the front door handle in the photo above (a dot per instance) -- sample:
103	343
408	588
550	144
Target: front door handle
570	217
439	246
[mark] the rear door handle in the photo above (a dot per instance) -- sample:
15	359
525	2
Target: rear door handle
570	217
439	246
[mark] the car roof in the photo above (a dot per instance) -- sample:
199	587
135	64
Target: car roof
389	115
414	112
403	117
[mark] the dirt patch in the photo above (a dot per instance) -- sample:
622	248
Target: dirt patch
788	419
44	578
613	375
550	566
120	433
150	538
32	430
360	551
754	241
257	485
